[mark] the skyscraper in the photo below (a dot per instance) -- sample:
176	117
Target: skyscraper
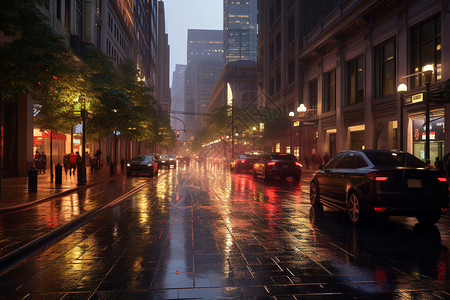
239	25
204	63
178	98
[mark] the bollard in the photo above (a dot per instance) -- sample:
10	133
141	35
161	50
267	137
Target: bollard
58	174
32	180
111	169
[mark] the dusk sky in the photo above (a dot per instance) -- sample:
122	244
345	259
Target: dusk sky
182	15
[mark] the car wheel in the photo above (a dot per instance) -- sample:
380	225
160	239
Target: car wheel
156	173
314	195
150	173
353	208
236	170
255	175
265	176
429	218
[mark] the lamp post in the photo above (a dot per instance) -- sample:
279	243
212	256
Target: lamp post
237	141
291	115
254	130
427	72
301	109
401	89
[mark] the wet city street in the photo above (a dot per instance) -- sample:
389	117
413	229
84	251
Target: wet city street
204	233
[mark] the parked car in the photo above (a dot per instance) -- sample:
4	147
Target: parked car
243	163
168	160
370	182
143	164
282	165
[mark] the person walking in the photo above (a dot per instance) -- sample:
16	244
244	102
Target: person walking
326	158
66	162
73	163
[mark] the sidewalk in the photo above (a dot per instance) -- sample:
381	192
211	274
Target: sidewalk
15	195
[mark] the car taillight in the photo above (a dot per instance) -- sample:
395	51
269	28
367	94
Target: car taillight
441	178
298	164
378	176
272	163
242	161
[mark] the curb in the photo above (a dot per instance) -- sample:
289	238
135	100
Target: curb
66	192
12	258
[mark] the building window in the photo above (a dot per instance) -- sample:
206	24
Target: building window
291	30
384	78
313	95
355	80
329	99
426	49
58	9
271	15
278	48
271	51
67	14
271	86
278	81
291	72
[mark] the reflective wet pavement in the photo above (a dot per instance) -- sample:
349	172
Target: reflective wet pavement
206	233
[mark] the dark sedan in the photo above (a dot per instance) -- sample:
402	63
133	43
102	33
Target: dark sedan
243	163
143	164
371	182
281	165
168	160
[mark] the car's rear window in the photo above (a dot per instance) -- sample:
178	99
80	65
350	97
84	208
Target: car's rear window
245	156
283	157
392	159
142	158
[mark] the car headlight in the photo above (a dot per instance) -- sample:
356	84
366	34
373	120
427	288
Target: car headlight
163	161
128	165
170	158
149	165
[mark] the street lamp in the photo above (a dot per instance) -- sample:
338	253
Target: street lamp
301	109
401	89
291	115
254	130
427	72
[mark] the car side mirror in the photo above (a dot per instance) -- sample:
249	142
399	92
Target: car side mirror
322	167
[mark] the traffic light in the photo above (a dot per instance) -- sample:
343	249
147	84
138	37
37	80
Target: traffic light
178	133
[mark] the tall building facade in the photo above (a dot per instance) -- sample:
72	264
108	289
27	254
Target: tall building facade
177	105
347	70
240	26
163	95
204	63
121	29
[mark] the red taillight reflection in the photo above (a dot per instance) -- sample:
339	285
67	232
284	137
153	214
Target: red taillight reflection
298	164
272	163
242	161
378	176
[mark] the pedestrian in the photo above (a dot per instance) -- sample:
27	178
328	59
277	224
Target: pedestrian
66	162
44	161
73	163
319	160
326	158
37	161
446	161
439	164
